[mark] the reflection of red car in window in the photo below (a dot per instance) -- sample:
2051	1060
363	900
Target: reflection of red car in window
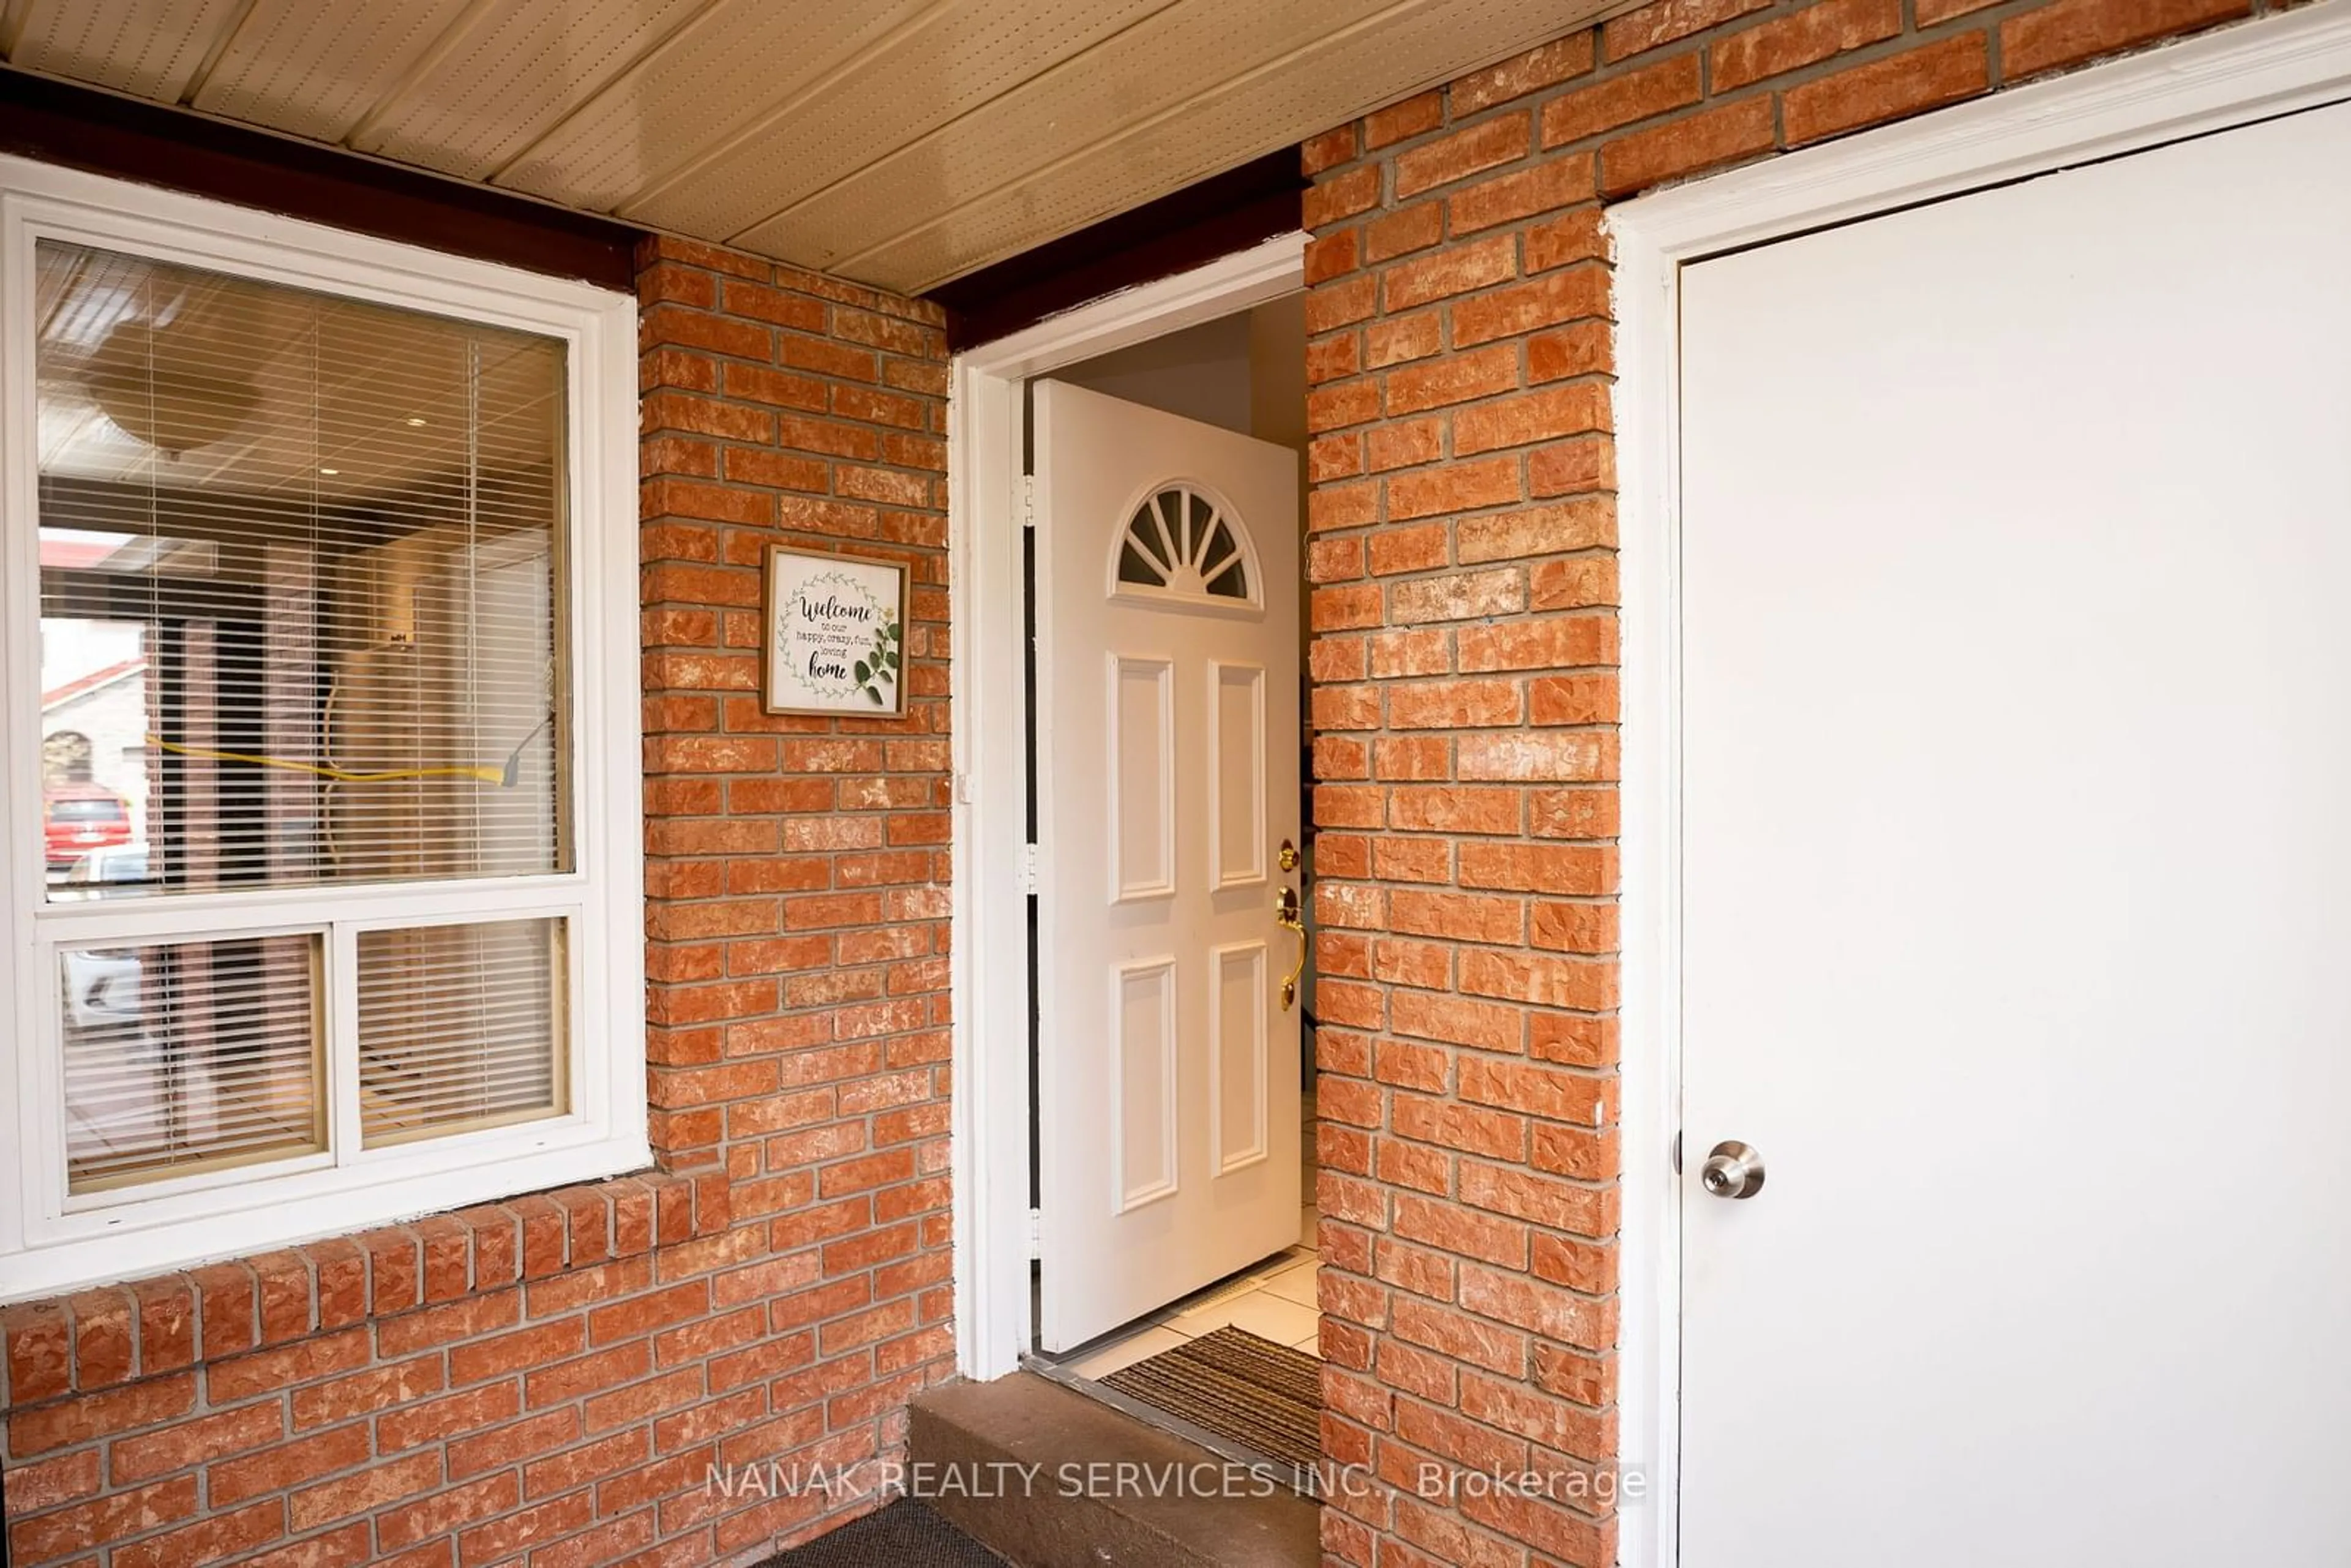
78	818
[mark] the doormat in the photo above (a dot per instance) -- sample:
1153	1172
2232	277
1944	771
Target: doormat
1264	1396
906	1534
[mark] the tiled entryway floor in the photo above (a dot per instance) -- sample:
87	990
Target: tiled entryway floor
1274	1301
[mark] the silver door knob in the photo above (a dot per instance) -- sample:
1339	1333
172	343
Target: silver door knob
1732	1170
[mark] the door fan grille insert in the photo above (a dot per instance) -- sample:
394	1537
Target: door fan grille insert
1182	544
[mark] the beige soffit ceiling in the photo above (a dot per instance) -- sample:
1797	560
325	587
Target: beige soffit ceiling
898	142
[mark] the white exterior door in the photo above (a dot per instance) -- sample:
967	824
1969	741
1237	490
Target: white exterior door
1168	784
2017	928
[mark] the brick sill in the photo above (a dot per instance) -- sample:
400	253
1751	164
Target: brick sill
113	1335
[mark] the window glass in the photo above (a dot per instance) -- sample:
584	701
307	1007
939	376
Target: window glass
1178	541
300	626
300	601
457	1028
182	1057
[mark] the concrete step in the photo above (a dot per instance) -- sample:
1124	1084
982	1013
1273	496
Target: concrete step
1050	1479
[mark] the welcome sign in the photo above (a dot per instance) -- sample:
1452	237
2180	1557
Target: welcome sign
835	634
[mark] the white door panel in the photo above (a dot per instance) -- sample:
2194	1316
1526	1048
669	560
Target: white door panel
1168	779
2016	548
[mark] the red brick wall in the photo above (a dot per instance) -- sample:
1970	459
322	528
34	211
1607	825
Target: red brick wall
1461	545
548	1379
797	867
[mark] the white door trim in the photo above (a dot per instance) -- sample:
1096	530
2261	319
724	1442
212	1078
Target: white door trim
2243	73
988	1155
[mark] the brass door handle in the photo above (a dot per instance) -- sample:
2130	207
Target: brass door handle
1286	916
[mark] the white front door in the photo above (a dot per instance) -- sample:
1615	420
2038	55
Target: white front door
1167	754
2017	926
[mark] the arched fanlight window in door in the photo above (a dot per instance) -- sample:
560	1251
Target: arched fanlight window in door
1183	543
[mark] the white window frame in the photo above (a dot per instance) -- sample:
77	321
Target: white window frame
49	1241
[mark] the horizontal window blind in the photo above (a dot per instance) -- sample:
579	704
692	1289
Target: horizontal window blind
459	1028
300	581
188	1056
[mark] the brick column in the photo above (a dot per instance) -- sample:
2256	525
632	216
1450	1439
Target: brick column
796	865
1461	536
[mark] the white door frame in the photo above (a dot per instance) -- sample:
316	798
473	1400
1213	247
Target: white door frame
989	1155
2247	72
